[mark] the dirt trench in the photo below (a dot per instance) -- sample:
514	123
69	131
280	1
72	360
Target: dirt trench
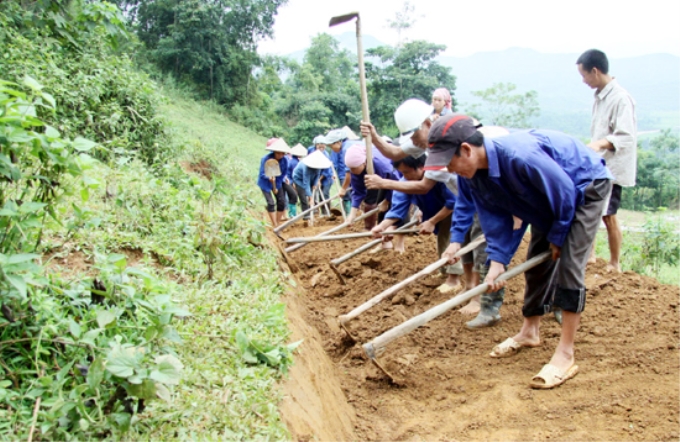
627	350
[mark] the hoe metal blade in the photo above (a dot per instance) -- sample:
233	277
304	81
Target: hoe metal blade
342	18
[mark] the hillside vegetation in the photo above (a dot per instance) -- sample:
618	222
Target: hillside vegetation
133	298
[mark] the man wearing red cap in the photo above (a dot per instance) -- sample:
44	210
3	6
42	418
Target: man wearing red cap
549	180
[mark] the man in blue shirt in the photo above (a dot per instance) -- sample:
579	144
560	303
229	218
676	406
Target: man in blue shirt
436	206
543	178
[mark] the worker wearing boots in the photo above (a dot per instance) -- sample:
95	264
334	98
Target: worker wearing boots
551	181
436	207
414	119
338	140
270	179
355	159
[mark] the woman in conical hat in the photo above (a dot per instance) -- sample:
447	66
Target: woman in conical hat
296	152
306	177
271	177
327	175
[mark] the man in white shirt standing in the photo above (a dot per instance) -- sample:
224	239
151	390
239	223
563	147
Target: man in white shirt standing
613	133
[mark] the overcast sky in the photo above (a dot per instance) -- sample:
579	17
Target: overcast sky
619	28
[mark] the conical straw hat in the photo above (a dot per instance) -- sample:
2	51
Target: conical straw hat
279	145
317	160
299	150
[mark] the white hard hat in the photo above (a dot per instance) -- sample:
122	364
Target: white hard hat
350	134
299	150
335	135
319	139
317	160
493	131
410	115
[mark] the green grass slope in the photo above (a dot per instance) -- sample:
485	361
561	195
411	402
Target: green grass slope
194	225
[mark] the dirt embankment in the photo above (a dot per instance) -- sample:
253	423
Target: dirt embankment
627	350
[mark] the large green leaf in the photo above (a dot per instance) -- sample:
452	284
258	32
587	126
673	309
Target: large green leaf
168	370
105	317
96	373
122	362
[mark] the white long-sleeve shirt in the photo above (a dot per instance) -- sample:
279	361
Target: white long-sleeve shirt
614	119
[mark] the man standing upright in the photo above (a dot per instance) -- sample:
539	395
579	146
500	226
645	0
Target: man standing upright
613	133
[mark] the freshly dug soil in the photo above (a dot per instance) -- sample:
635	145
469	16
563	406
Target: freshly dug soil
627	351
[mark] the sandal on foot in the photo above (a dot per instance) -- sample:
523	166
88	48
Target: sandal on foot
508	348
551	376
446	288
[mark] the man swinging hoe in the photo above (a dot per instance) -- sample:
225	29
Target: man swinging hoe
549	180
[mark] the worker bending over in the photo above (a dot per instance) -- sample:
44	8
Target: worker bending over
551	181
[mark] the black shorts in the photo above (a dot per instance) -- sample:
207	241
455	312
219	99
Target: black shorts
614	201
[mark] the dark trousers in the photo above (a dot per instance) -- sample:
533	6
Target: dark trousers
275	202
561	283
290	193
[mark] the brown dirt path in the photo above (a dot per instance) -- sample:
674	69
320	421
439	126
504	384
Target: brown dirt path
627	350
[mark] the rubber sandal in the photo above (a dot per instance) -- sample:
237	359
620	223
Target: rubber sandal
508	348
551	377
446	288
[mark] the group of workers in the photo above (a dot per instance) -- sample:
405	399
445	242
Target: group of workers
467	179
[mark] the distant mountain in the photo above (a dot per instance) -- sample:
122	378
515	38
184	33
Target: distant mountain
653	80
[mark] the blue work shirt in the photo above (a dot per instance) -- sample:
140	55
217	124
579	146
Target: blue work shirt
262	179
430	204
306	178
338	159
383	168
292	164
327	174
539	176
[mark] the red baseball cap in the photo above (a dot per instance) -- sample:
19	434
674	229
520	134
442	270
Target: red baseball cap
446	135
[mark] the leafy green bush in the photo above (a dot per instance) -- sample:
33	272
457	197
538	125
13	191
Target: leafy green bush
86	350
100	95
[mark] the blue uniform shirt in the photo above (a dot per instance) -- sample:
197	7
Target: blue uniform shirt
306	178
383	168
292	164
262	180
430	203
338	159
539	176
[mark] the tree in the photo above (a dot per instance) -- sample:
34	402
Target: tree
403	20
211	43
657	181
502	107
320	94
396	74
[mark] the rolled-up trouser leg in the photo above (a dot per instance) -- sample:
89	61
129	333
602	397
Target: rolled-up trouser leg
540	281
443	241
271	202
570	294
